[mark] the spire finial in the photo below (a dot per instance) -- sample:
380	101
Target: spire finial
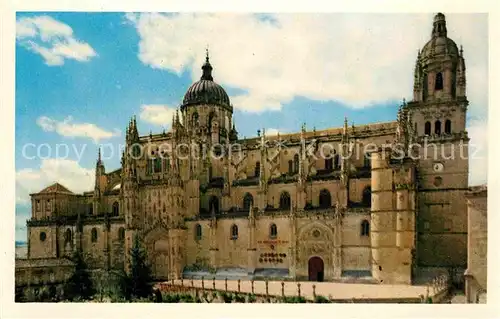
99	155
207	68
439	28
461	50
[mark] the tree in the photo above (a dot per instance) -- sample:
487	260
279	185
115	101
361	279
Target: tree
139	280
80	282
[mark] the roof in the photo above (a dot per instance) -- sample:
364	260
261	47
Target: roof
55	188
206	91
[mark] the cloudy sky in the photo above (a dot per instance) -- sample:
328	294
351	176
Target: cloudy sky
81	76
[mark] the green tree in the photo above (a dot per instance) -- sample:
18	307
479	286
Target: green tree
79	284
138	282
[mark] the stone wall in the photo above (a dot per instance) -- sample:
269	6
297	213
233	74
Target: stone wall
477	259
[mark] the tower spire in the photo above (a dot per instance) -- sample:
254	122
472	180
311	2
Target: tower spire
99	156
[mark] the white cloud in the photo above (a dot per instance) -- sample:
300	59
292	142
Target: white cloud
52	39
69	129
157	114
66	172
273	131
478	151
357	59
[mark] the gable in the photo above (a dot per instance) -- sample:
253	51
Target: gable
55	188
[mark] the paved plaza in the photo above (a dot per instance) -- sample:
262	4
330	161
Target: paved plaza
335	291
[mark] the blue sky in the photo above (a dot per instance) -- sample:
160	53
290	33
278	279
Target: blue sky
81	76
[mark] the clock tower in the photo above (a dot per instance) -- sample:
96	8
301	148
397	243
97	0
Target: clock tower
438	112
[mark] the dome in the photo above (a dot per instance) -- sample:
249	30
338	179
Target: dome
206	91
439	44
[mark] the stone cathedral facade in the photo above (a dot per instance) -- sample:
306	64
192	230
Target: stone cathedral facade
313	205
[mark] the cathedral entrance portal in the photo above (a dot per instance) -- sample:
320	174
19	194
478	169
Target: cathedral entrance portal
316	269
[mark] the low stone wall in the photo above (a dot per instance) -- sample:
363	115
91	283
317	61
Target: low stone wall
41	279
277	291
30	272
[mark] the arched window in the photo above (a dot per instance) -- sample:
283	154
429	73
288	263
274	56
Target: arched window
234	232
427	128
247	201
329	164
439	81
285	202
116	209
437	128
257	169
365	228
296	163
93	235
195	118
336	161
68	237
447	127
367	196
166	163
149	166
197	232
366	160
157	165
91	209
273	231
210	172
121	234
214	205
290	167
136	151
325	199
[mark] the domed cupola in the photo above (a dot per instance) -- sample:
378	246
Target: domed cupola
439	44
440	67
206	91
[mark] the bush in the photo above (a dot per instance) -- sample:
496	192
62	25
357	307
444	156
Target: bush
239	298
187	298
252	298
172	298
321	299
228	298
294	299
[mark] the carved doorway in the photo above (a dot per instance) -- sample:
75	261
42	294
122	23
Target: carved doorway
316	269
160	267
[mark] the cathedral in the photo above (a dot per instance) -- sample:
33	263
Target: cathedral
377	201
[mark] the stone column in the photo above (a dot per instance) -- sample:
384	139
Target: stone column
293	247
213	242
252	245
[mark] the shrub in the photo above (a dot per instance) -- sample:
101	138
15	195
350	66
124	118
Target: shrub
172	298
252	298
239	298
228	298
321	299
294	299
187	298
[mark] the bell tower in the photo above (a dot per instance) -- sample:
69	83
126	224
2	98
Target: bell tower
438	118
